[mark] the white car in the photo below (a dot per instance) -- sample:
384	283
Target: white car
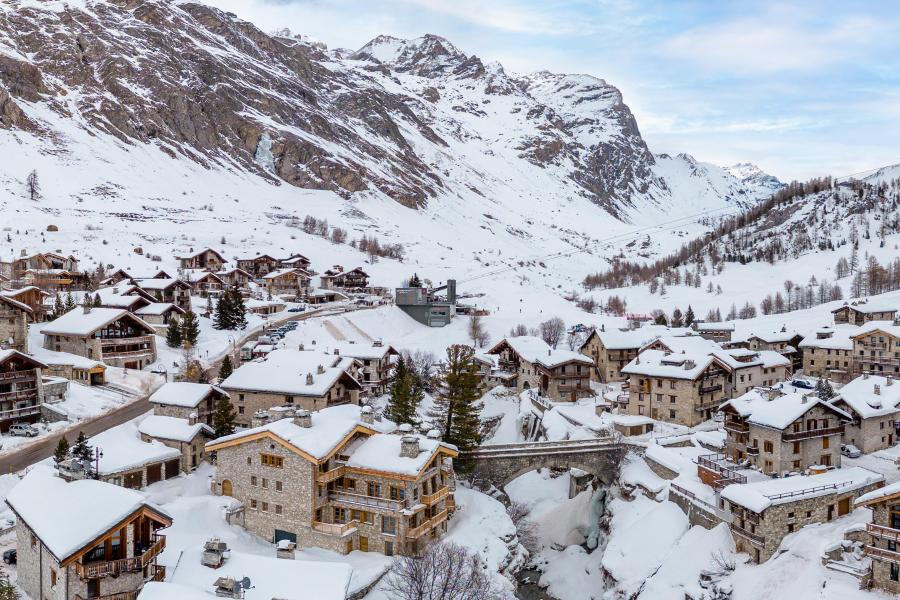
23	429
850	451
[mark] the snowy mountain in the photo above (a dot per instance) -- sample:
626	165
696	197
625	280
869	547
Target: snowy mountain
146	115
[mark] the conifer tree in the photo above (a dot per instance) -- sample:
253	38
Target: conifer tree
405	395
824	391
82	450
689	316
173	333
222	315
8	591
190	328
414	281
238	310
70	302
226	368
457	407
223	417
62	451
677	319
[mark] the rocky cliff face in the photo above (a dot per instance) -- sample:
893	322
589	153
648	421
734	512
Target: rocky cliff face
412	119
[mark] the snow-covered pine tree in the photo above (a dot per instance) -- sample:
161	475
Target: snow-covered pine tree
457	407
190	328
173	333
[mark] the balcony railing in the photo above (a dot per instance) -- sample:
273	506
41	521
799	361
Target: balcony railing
708	389
340	529
115	567
127	341
795	436
437	496
331	475
755	539
366	501
737	427
159	573
15	413
882	554
427	525
127	353
30	374
880	531
18	395
752	450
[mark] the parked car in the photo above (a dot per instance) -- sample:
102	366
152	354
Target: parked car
296	309
23	429
801	383
10	556
850	451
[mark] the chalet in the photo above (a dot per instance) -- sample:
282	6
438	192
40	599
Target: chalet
490	372
185	435
860	312
561	375
612	350
85	538
204	259
300	378
294	261
160	314
376	364
73	367
203	283
685	388
717	332
264	307
335	480
235	278
876	349
322	296
828	353
50	280
291	283
783	341
44	268
14	317
113	336
117	276
125	295
883	533
354	279
167	290
21	391
874	405
185	400
258	266
33	298
783	433
764	512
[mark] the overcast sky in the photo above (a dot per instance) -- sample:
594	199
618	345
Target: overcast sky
800	88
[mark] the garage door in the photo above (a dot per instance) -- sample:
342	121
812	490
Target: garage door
285	535
154	473
173	467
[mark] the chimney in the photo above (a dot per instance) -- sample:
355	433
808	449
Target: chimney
367	415
86	304
303	419
602	327
337	351
377	344
409	446
115	289
301	347
192	418
320	369
309	379
434	434
405	428
689	364
877	390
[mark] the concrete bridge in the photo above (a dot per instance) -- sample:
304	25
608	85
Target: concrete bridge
502	463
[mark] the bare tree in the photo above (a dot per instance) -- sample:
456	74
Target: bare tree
445	571
33	186
526	530
518	331
477	333
552	331
338	235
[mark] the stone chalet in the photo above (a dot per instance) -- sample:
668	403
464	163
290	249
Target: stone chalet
860	312
186	400
717	332
876	349
874	405
883	536
305	379
258	266
235	278
335	480
354	279
14	318
33	298
123	295
160	314
21	388
783	433
113	336
185	435
782	341
204	259
203	282
293	283
684	388
560	375
84	539
376	362
828	353
294	261
764	512
612	350
264	307
167	290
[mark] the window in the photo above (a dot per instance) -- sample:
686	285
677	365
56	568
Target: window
252	502
389	548
253	480
265	483
389	525
790	527
279	486
398	493
826	442
790	515
796	447
672	399
265	507
33	540
249	460
374	489
808	514
768	447
278	509
671	385
270	460
671	414
240	410
895	572
52	578
340	515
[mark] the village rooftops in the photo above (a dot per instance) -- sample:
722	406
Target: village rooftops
69	516
888	327
760	495
330	426
775	337
271	578
735	358
117	296
536	350
627	339
871	395
172	428
837	337
158	308
285	272
184	394
288	371
876	305
779	412
684	365
123	450
159	285
78	323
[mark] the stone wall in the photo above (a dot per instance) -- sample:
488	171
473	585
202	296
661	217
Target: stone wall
247	402
13	325
675	400
826	362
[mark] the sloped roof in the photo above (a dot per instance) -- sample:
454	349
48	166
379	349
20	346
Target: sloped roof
859	395
184	393
78	323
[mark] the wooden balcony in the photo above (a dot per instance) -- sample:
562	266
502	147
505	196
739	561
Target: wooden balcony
752	537
450	503
425	527
19	396
18	413
11	375
752	451
340	529
885	533
737	427
437	496
369	502
331	475
882	554
708	389
796	436
94	570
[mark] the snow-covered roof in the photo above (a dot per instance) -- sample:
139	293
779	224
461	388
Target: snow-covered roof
831	338
618	339
283	272
123	450
158	309
329	427
254	303
155	285
68	516
362	351
771	358
381	452
860	396
760	495
887	327
78	323
184	393
775	337
535	350
204	251
172	428
51	357
631	420
5	355
713	326
117	296
780	411
880	493
15	303
285	371
657	363
869	306
323	293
